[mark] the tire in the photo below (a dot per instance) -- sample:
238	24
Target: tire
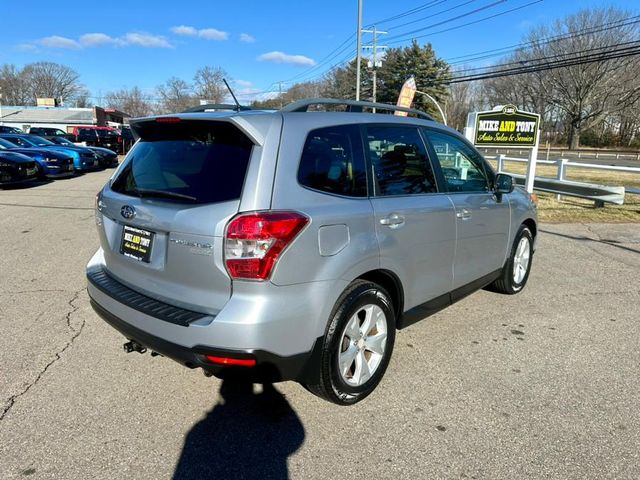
361	304
512	281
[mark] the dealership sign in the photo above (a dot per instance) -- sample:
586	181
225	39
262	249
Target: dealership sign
504	126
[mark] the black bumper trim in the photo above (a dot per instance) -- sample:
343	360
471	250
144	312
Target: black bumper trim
269	366
147	305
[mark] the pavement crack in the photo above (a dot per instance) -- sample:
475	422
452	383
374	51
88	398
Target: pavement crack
39	290
58	355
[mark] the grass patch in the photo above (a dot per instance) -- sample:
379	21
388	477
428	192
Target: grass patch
578	210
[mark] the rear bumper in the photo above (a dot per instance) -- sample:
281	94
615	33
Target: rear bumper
269	367
281	327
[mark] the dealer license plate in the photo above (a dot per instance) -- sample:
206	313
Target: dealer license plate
136	243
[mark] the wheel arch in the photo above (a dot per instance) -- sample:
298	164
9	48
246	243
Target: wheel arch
391	283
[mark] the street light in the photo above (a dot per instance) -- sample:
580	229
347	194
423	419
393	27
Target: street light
444	118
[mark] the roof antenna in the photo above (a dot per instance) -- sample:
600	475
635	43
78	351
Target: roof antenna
238	107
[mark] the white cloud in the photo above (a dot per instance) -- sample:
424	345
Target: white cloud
27	47
244	83
98	39
146	40
212	34
246	38
281	57
206	33
56	41
185	30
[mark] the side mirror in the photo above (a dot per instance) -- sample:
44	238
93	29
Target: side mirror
503	184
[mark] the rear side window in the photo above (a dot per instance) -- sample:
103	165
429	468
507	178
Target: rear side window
399	159
188	161
332	161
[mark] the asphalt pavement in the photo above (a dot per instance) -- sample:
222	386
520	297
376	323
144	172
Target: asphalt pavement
543	384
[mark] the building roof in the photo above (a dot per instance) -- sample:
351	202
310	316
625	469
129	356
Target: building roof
29	115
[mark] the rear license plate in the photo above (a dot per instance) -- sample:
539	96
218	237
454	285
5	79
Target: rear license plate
136	243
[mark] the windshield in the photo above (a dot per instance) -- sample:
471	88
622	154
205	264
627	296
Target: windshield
39	141
106	133
6	144
194	161
63	141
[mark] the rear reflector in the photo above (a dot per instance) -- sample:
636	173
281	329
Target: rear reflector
254	241
168	119
238	362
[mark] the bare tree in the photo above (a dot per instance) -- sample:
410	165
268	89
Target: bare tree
297	91
208	84
52	80
14	88
176	95
463	98
131	101
582	95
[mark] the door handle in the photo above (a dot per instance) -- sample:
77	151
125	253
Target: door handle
463	214
395	220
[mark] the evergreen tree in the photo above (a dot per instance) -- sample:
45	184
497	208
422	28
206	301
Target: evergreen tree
430	73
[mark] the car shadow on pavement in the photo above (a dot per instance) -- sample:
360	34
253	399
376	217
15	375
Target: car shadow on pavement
246	435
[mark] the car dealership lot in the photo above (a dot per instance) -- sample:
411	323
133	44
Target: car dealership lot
542	384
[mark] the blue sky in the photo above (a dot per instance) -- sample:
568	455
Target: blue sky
122	44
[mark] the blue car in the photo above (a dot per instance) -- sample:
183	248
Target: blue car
16	168
51	164
83	158
106	158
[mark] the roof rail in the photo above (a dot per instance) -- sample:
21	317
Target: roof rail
352	106
217	106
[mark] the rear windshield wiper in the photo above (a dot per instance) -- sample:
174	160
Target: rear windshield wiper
148	192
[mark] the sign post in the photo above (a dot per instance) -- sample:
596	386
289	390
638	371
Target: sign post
506	126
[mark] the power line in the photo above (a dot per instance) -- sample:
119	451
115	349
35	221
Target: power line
512	48
417	9
557	55
452	19
468	23
432	15
563	63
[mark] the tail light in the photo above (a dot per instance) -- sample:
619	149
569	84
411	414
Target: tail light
254	241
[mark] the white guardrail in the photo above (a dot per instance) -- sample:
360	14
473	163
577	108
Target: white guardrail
563	186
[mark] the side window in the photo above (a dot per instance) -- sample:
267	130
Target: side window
463	168
332	161
399	160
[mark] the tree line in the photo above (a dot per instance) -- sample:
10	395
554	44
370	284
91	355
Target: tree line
582	102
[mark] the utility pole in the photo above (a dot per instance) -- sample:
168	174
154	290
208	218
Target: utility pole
374	64
359	47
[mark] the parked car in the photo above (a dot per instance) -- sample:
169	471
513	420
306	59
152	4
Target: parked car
92	136
83	158
50	163
49	133
106	158
128	139
7	129
291	245
16	168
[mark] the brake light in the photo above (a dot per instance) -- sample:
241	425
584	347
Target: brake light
168	120
239	362
254	241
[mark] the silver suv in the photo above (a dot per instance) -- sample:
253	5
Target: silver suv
291	244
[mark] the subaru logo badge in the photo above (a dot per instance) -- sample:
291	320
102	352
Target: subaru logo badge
127	211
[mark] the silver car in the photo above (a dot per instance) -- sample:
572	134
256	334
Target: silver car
292	244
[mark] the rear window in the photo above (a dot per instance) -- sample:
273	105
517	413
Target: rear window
106	133
189	161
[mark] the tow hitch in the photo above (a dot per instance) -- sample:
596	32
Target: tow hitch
134	347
